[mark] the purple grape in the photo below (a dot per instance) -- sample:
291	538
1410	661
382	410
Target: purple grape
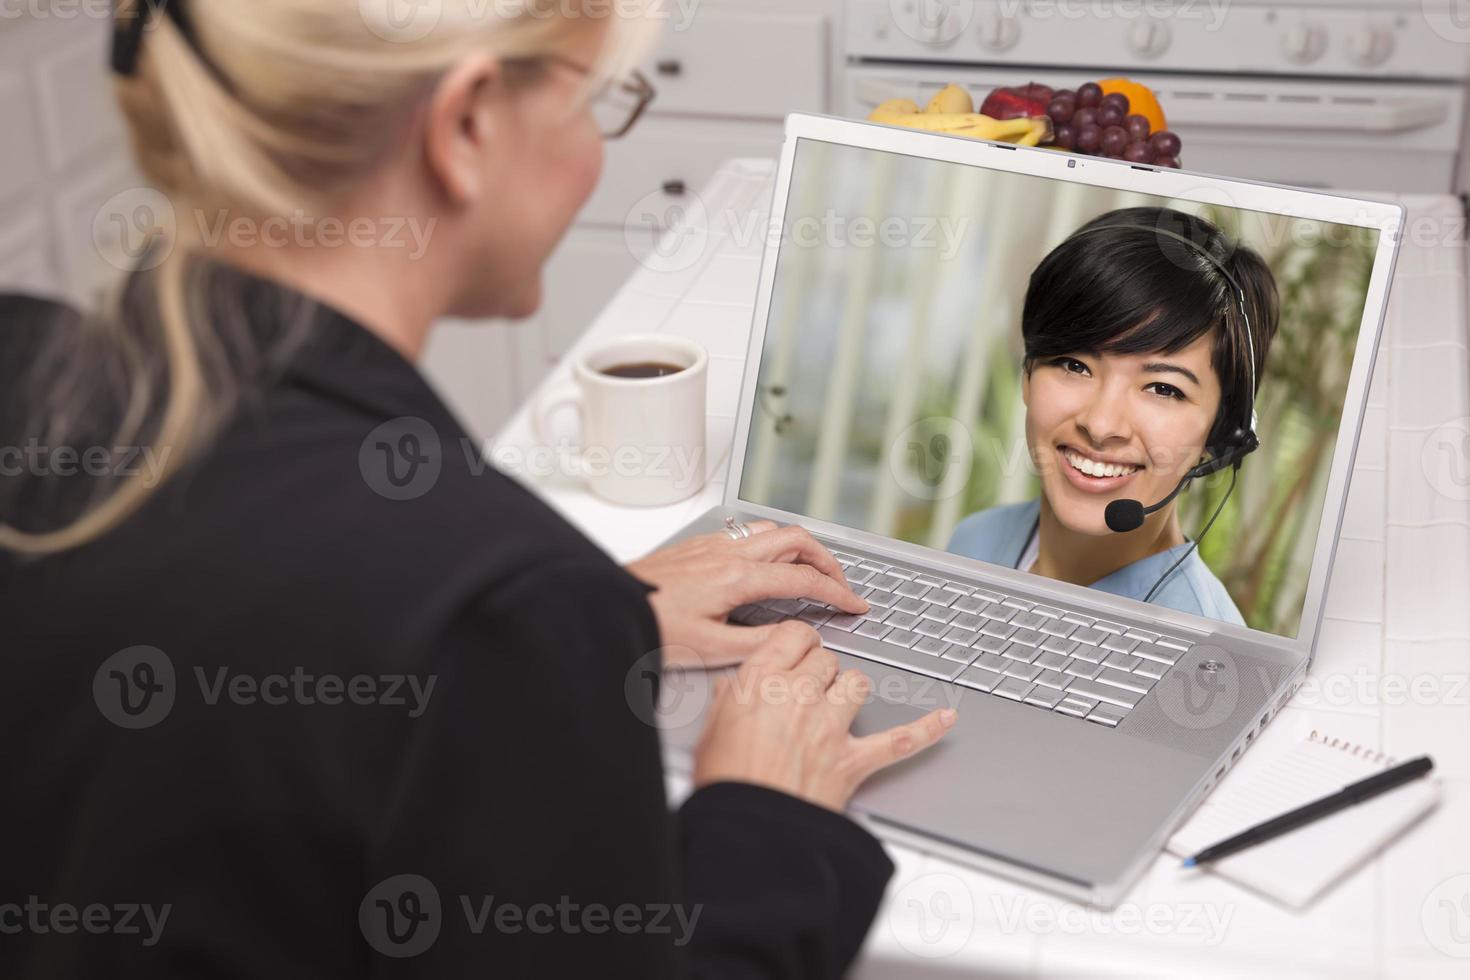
1065	136
1085	116
1137	126
1114	141
1109	115
1061	111
1089	138
1138	152
1165	144
1166	162
1065	93
1089	95
1117	99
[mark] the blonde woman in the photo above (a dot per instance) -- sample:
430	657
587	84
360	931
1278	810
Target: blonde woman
301	724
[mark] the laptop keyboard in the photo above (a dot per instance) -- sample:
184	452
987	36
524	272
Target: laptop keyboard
1039	655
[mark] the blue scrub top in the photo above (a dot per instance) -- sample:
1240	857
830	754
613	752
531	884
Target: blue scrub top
1000	534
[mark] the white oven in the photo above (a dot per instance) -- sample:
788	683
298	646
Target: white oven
1318	93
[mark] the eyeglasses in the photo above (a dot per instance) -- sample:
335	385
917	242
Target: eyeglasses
617	106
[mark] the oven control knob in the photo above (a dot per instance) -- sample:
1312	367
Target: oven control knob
933	22
999	31
1371	45
1304	43
1149	37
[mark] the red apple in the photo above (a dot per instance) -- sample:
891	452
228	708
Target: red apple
1038	91
1014	102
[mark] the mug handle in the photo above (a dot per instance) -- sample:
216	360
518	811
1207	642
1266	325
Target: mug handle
568	396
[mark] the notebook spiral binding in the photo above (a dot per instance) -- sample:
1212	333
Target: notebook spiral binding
1352	748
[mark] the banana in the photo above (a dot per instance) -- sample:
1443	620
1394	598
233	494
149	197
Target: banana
935	118
887	111
1040	130
965	123
1037	130
951	98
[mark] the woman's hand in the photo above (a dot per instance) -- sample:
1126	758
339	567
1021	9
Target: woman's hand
701	580
785	722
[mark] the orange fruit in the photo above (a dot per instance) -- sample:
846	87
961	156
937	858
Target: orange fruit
1141	100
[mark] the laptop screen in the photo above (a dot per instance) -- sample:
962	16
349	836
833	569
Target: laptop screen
981	361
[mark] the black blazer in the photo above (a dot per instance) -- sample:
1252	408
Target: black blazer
304	717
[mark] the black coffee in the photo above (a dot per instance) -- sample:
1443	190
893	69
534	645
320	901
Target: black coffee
642	369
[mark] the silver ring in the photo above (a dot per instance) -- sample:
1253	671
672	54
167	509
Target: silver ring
736	530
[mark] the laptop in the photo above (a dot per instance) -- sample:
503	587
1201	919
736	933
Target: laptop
881	409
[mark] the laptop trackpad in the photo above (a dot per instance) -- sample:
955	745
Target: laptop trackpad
879	716
898	697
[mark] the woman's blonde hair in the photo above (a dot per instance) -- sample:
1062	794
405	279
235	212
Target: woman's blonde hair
265	108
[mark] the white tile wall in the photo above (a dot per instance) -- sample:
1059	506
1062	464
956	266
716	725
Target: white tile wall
60	147
26	262
21	163
69	78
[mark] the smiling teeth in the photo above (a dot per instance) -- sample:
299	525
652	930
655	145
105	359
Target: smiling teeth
1094	468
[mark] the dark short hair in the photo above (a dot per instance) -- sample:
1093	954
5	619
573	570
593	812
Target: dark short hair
1118	286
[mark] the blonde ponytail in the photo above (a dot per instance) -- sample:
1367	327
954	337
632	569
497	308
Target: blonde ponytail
274	107
181	424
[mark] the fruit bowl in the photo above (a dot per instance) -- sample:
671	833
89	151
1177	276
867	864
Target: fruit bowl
1116	118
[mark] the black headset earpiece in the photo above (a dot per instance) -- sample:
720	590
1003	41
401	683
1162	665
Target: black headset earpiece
1242	443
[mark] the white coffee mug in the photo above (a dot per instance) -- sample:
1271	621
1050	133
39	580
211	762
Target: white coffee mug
642	438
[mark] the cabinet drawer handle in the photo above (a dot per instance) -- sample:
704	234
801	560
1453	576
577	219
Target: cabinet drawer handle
674	187
670	66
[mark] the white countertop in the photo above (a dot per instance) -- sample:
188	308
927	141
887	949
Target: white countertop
1397	623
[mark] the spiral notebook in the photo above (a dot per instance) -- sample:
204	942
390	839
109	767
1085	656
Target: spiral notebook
1300	865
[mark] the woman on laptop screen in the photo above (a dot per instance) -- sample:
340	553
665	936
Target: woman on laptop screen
1145	334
